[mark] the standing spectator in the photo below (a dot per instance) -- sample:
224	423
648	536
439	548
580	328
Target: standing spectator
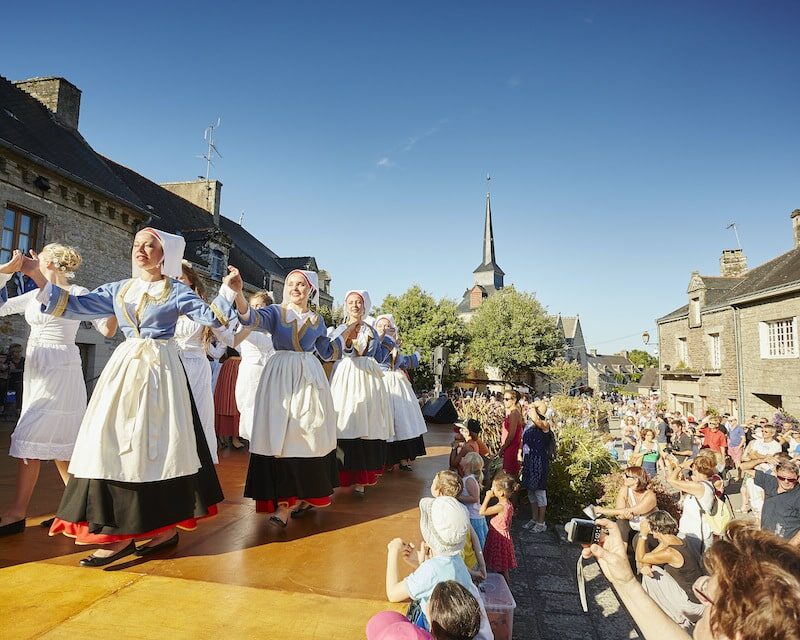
647	452
4	369
499	548
781	511
628	438
16	369
682	441
736	441
759	449
511	433
713	437
537	447
698	498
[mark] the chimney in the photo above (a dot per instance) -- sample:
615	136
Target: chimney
624	353
593	353
796	226
57	94
206	194
733	263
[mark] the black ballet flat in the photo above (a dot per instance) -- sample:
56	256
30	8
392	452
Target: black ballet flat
46	524
406	467
301	511
146	550
96	561
276	521
12	527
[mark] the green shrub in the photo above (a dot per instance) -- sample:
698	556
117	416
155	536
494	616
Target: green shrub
577	473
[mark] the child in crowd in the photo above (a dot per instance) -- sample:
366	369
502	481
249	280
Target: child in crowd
471	469
444	525
499	547
447	483
468	441
453	611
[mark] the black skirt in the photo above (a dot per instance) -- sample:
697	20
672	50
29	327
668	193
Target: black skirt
273	481
131	509
404	450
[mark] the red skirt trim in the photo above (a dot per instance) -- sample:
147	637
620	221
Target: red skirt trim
268	506
80	530
364	477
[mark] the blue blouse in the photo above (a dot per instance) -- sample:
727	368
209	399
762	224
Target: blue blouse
291	335
155	316
396	360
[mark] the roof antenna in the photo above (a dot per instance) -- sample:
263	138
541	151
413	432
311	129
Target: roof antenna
208	136
241	217
732	225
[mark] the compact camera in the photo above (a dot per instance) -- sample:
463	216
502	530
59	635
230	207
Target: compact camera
582	531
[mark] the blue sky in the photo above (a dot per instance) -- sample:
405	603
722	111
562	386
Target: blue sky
622	137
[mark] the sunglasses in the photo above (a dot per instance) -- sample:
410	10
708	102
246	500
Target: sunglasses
700	588
508	398
785	479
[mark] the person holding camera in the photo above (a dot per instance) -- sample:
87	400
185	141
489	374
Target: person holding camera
669	568
747	571
635	500
697	497
781	510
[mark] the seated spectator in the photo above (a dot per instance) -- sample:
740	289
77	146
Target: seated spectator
781	511
453	611
752	591
669	568
635	500
444	525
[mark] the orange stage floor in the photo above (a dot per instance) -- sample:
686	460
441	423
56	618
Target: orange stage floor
235	577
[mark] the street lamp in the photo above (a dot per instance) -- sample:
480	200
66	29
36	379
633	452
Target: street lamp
646	337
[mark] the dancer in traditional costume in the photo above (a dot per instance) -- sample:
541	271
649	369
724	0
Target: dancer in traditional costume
256	349
409	425
54	397
363	406
293	440
226	412
141	465
193	341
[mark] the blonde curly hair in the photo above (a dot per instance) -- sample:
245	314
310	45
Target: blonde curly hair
65	259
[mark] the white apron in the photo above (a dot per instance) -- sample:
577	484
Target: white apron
408	420
294	415
138	426
256	349
361	399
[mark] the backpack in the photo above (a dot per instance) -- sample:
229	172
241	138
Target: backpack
720	515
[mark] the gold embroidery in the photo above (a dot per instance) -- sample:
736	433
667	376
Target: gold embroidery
61	305
121	301
147	300
219	315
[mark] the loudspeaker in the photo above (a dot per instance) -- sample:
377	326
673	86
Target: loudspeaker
440	411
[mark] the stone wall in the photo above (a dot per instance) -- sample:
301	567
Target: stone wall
100	228
768	376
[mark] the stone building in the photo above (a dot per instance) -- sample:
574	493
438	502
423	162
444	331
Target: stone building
574	344
734	346
607	372
55	187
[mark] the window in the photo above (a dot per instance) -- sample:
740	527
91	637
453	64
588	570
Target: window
19	232
714	351
683	352
694	313
779	338
217	265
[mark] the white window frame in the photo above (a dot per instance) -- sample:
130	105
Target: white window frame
683	350
770	333
715	351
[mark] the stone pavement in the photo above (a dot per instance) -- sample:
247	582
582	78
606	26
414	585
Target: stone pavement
545	589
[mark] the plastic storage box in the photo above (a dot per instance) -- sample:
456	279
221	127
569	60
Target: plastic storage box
499	605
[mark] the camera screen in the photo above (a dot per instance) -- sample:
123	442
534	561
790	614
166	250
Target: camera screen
583	531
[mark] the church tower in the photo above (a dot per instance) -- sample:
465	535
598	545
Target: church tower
488	274
487	279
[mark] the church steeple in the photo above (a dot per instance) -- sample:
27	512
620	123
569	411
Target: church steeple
488	273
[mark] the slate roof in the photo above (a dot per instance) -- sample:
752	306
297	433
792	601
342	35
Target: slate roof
300	262
779	272
649	378
27	127
610	361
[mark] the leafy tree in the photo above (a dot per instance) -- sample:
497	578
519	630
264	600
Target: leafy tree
642	359
423	324
563	374
512	332
333	316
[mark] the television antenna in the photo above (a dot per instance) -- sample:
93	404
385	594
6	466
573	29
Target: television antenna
208	156
732	225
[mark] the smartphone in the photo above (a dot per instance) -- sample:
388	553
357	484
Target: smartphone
582	531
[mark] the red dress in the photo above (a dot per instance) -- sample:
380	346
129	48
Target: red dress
226	413
510	455
499	548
